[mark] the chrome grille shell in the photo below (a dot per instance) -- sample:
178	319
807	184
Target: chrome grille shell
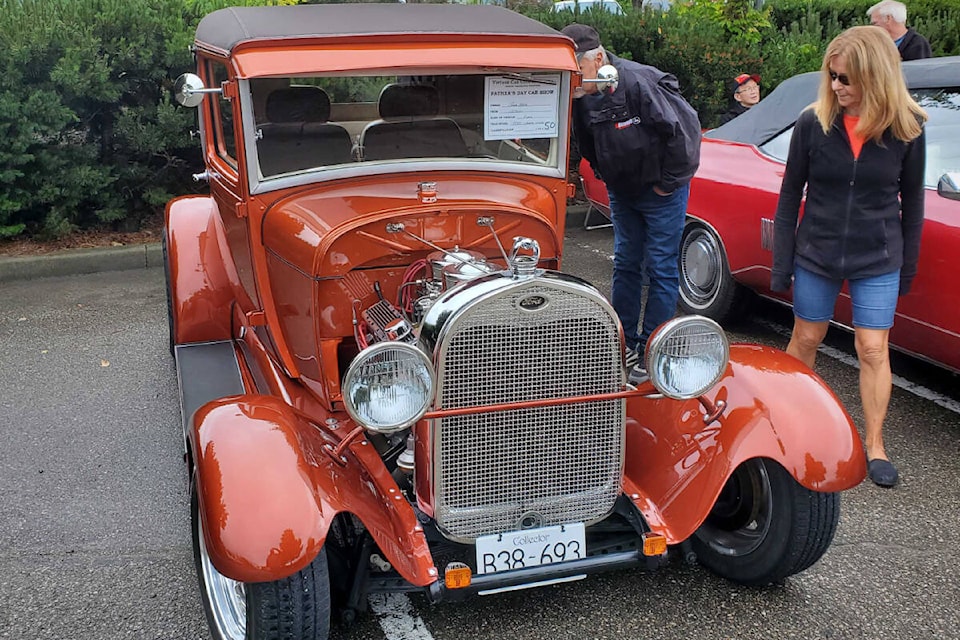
500	339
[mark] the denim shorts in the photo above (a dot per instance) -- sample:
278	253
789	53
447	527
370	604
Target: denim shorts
874	299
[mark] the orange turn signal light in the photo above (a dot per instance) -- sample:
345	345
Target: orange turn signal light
654	544
457	575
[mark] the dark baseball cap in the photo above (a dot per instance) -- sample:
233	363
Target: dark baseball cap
583	35
744	78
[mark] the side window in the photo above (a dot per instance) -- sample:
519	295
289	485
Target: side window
778	147
221	117
943	131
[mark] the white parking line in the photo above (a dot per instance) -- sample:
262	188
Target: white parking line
599	252
898	381
397	618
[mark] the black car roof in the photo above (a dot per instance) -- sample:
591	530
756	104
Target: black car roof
226	28
780	109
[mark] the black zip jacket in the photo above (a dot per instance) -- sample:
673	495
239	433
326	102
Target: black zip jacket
862	217
914	46
736	109
643	135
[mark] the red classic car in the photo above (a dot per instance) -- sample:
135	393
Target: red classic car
727	243
386	382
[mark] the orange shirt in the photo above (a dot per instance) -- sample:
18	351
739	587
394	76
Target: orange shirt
856	142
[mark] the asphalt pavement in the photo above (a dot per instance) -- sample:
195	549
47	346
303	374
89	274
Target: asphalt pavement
94	534
95	540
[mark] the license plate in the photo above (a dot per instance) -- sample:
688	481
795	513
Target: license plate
531	548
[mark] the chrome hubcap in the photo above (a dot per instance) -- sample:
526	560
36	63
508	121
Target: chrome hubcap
700	267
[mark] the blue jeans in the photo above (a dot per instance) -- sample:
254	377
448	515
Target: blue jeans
647	231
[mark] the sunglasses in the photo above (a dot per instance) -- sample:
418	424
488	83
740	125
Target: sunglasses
842	77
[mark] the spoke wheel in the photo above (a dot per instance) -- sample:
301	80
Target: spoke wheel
225	600
706	285
765	526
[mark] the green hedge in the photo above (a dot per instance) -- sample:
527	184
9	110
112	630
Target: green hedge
937	20
91	138
705	43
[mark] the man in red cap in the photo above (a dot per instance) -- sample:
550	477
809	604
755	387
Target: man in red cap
746	93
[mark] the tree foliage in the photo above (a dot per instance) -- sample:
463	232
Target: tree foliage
85	111
91	137
706	43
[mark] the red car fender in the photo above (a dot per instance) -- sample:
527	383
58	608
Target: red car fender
776	408
268	492
201	290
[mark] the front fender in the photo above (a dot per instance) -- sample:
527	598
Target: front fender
268	493
776	408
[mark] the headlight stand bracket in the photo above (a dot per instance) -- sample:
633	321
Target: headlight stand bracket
336	452
713	410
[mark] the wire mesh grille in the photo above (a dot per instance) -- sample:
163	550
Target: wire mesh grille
563	463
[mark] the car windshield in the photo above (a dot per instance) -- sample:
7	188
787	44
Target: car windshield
307	124
942	132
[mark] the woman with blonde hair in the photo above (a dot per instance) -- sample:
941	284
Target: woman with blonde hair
859	151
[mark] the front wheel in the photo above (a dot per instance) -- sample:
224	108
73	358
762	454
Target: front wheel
765	526
707	287
293	608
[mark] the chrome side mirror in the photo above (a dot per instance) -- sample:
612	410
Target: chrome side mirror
607	79
189	90
949	185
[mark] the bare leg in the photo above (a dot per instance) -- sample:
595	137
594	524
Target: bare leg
876	384
805	340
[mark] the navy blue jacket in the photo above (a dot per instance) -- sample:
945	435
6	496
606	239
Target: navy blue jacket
862	217
914	46
643	135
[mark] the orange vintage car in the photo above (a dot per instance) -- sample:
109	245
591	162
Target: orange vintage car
387	383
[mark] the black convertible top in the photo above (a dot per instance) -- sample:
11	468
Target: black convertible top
780	109
226	28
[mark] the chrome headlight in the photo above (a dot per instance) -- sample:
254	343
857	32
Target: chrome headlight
388	386
686	356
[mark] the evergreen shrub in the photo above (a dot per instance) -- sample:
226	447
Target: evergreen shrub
91	138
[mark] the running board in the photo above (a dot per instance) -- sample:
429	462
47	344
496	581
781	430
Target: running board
205	371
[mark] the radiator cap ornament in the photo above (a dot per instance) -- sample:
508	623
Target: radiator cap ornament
524	266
